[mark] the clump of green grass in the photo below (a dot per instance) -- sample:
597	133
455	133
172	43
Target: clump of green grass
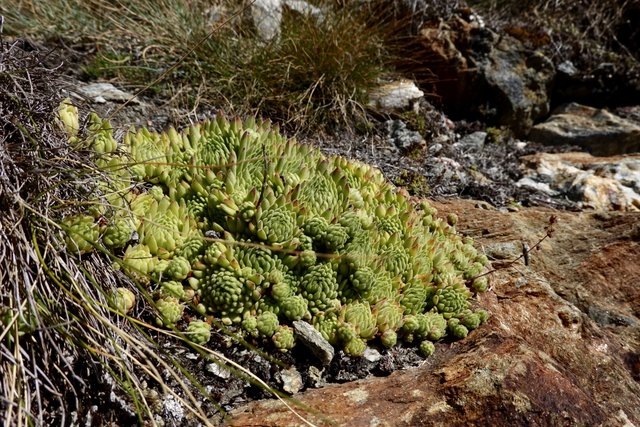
316	75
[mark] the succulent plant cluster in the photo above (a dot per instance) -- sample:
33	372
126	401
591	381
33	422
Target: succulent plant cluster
237	222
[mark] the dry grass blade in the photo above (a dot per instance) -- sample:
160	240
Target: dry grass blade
54	319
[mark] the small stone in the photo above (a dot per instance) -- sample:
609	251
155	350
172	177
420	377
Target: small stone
567	68
372	355
399	136
397	95
172	410
315	376
435	149
473	140
503	250
291	380
312	339
103	92
218	371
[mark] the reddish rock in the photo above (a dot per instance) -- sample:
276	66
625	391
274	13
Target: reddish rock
562	346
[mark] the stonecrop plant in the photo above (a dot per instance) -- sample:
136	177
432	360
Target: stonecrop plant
229	219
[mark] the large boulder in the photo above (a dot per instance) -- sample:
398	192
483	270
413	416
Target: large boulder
478	72
562	346
597	130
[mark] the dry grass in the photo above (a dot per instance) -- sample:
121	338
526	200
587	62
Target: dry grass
315	76
583	31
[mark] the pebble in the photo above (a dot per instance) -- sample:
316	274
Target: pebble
291	380
372	355
218	371
100	93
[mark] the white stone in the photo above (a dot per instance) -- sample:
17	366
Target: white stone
397	95
609	183
103	92
267	17
291	380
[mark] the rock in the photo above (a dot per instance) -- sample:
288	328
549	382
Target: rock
267	15
372	355
305	8
315	376
598	84
103	92
398	95
399	136
597	130
607	183
291	380
539	360
312	339
517	81
503	250
217	370
481	73
474	140
172	410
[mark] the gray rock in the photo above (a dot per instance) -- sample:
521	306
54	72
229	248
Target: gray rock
315	376
267	15
474	140
434	149
372	355
305	8
312	339
567	68
517	82
599	131
399	136
172	410
103	92
217	370
503	250
480	72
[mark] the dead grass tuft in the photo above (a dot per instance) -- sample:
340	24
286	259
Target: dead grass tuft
315	76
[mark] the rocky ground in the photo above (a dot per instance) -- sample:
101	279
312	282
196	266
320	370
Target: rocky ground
562	346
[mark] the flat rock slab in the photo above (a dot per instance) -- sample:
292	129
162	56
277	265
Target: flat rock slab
543	357
101	93
597	130
602	183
